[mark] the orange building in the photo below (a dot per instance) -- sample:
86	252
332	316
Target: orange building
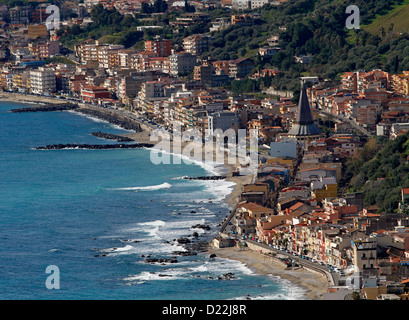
89	93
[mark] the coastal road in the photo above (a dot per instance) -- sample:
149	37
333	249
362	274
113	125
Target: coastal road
307	264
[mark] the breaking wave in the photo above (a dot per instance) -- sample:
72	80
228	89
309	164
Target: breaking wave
164	185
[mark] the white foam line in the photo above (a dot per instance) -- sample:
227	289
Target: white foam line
164	185
210	166
96	119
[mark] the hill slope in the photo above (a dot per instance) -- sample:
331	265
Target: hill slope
397	19
380	174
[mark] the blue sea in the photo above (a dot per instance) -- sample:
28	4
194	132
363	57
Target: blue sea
95	215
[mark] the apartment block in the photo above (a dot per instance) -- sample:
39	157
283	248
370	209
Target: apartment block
196	44
162	47
42	81
181	63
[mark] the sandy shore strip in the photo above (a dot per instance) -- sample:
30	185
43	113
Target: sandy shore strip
314	284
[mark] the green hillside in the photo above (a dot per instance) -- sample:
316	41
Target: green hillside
380	171
396	20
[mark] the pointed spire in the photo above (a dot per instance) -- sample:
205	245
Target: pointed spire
303	111
304	123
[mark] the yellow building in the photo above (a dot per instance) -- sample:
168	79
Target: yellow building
285	161
330	191
37	31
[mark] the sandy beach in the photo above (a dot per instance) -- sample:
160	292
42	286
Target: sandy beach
314	283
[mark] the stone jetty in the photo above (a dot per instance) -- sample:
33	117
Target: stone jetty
111	117
95	146
46	108
101	113
110	136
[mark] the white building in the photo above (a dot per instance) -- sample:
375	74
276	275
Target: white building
251	4
42	81
283	149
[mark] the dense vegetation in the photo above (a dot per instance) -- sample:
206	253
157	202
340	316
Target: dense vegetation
380	173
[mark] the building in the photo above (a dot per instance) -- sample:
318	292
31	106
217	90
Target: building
223	120
196	44
162	47
108	56
364	254
304	128
220	24
400	83
325	188
181	63
241	67
152	89
19	15
37	31
250	4
283	149
48	49
204	73
90	93
42	81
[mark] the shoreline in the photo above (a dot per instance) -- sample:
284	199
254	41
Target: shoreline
312	283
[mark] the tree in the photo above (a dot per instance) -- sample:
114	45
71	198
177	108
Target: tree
189	8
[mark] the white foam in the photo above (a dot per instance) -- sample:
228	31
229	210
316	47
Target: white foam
219	188
150	276
116	249
95	119
212	167
159	237
164	185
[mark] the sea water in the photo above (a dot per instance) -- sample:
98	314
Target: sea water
95	215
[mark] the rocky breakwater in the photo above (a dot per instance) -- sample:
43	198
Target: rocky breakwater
110	136
111	116
95	146
47	108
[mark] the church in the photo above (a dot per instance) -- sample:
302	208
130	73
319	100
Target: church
304	129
